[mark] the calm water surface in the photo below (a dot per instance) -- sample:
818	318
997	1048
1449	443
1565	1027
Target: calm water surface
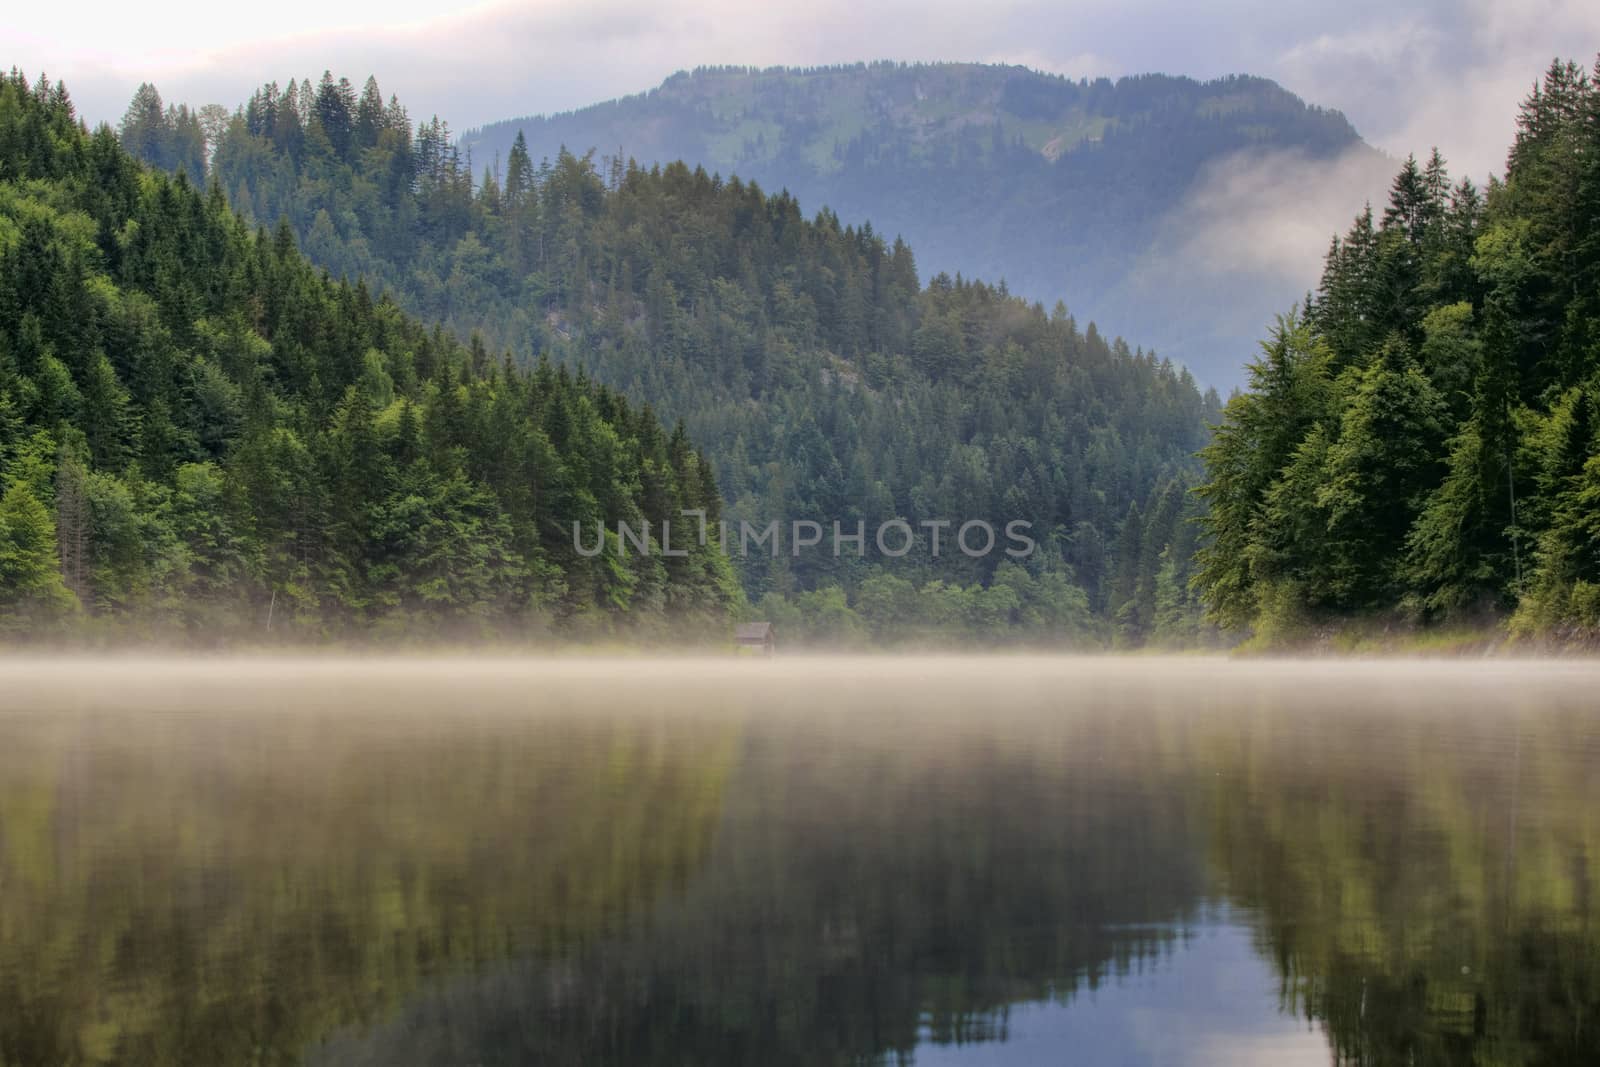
941	861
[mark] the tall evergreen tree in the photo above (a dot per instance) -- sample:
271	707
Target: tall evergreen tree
1448	473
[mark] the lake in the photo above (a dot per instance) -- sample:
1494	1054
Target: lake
931	861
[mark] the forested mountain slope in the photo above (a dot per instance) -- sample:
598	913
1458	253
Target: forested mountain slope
1422	440
203	436
824	381
1077	190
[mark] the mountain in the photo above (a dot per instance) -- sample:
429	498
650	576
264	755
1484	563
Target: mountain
826	382
1103	194
202	436
1423	440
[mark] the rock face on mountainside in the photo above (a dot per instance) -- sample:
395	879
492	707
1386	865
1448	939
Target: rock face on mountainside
1122	198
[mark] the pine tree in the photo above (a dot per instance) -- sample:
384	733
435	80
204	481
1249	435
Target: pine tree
31	591
519	175
143	130
1259	436
1476	452
369	115
1377	474
335	114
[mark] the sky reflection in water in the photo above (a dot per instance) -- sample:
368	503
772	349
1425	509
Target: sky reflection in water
939	861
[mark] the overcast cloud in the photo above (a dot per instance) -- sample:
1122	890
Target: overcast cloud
1407	75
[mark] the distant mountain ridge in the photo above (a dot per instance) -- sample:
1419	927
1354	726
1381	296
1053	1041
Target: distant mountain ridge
1067	189
835	386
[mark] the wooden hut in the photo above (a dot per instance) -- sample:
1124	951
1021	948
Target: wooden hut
758	636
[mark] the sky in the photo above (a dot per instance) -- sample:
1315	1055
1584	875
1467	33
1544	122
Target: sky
1408	75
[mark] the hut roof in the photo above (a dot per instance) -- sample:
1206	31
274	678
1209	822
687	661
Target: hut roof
753	631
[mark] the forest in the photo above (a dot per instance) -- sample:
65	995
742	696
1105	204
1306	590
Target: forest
204	436
1419	440
198	423
823	379
1092	190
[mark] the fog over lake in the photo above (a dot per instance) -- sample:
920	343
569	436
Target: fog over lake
799	860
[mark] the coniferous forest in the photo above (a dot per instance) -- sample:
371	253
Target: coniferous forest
1419	441
473	599
201	434
824	380
1079	188
204	430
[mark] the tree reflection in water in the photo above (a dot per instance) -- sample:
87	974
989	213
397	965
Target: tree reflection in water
793	863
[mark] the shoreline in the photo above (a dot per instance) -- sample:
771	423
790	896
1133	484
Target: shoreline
1331	651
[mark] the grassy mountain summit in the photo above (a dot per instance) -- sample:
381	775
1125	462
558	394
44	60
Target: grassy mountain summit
816	119
1074	190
